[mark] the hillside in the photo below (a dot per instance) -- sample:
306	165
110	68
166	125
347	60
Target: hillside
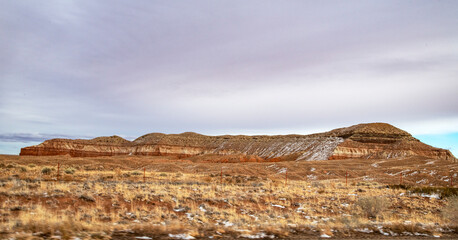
371	141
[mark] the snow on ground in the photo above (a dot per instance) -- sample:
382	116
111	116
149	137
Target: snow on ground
367	178
420	234
377	164
202	208
423	181
434	195
256	236
228	224
179	209
181	236
401	172
309	148
276	205
345	205
364	230
311	177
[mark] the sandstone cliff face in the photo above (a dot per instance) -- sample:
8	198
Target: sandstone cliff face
381	140
375	140
79	148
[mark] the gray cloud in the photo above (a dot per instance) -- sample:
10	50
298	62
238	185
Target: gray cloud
86	68
38	137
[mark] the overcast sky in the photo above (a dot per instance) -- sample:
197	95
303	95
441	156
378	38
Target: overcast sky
87	68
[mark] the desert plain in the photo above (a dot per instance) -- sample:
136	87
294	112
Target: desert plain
166	197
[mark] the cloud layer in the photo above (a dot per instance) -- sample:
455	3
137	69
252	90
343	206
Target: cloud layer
89	68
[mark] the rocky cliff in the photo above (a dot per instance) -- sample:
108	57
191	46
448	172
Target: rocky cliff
373	140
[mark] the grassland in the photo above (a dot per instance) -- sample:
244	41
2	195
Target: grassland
168	198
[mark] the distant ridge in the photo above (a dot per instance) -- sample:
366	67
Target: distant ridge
368	140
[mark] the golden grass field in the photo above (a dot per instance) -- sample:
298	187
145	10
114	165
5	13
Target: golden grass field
111	198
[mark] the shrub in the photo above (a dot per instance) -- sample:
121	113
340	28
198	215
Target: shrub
32	165
371	207
441	191
318	185
163	175
46	170
70	170
126	175
450	212
23	169
10	166
136	173
363	184
398	186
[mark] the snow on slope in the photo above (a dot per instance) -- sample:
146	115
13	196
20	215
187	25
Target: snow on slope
306	148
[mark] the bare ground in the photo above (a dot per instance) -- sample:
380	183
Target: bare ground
111	198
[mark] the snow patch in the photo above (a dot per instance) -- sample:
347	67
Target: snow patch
201	207
364	230
179	209
434	195
228	224
256	236
421	234
311	176
181	236
276	205
423	181
367	178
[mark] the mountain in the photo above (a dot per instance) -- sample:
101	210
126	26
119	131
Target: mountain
370	140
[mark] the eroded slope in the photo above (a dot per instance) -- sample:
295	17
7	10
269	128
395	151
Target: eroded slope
373	140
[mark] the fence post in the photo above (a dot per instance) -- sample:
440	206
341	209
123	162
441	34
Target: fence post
144	174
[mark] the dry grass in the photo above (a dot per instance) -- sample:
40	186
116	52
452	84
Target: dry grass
372	206
451	211
101	199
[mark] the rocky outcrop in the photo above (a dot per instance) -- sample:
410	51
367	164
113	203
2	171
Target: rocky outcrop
381	141
101	146
374	140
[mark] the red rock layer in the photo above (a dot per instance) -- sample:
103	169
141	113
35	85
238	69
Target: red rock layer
374	140
353	149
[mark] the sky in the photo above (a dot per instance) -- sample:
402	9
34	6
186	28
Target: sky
83	68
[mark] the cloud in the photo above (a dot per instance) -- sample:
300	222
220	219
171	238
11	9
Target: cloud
85	68
34	137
